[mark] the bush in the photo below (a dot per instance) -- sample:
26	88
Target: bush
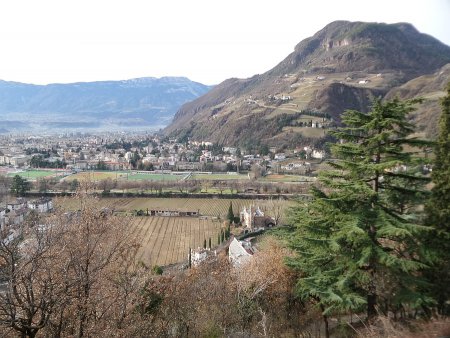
157	270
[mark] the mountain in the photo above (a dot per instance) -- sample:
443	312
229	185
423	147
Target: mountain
137	103
431	88
343	66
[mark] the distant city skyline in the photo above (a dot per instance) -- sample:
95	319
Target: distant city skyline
53	41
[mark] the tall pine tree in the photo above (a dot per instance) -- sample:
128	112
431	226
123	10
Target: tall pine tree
438	211
358	239
230	215
19	186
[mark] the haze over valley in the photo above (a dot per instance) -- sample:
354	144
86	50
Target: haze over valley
138	104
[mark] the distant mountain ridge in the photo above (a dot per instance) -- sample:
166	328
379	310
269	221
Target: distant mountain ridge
343	66
142	102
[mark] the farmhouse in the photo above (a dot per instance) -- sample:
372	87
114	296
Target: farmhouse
41	205
19	204
173	213
253	217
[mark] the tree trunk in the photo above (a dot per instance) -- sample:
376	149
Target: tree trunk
371	306
325	321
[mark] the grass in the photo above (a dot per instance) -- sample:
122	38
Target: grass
218	177
34	174
96	175
154	177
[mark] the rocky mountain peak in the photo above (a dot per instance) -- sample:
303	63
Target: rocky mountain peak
343	66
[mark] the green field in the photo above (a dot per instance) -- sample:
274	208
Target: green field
35	174
96	175
218	177
154	177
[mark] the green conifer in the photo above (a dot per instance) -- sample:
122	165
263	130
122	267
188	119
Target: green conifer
438	211
358	240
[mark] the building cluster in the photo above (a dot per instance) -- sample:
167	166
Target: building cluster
79	152
14	213
240	251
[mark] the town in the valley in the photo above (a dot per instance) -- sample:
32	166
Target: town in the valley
39	174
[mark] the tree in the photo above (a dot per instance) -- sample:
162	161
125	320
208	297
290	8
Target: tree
438	210
32	288
358	239
19	186
101	165
43	185
74	185
75	276
230	215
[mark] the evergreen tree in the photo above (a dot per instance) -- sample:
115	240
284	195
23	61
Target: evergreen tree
190	258
204	243
74	185
19	186
209	242
438	211
358	240
230	215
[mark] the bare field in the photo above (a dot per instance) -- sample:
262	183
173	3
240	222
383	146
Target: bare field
214	207
166	240
306	131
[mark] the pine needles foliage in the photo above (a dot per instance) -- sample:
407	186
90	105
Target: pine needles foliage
358	241
438	212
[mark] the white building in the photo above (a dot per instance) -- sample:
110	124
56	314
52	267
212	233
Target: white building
239	252
2	217
254	219
19	204
41	205
320	154
200	255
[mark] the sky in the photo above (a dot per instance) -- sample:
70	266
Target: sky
208	41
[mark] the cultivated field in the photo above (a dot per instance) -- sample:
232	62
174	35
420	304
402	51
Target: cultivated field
209	207
307	131
166	240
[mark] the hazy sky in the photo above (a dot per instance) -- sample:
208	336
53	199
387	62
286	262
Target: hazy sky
47	41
